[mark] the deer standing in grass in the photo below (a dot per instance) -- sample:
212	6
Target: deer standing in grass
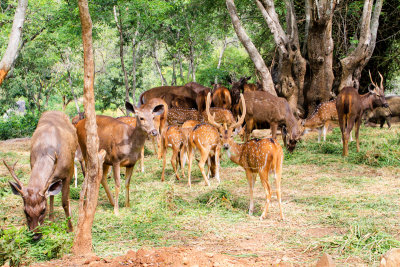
53	148
351	106
175	138
122	143
262	156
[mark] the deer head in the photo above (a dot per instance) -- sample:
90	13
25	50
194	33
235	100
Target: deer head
145	116
35	198
379	99
226	132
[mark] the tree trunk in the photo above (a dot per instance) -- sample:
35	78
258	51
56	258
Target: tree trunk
192	62
163	81
121	53
221	54
135	46
320	52
90	188
15	38
354	63
173	80
180	67
255	56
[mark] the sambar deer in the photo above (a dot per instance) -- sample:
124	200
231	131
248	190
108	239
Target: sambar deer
122	143
53	146
351	106
262	107
260	156
221	97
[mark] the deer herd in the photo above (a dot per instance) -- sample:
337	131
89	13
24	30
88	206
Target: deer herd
186	119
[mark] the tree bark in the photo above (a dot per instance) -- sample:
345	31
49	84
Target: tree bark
255	56
121	53
90	188
354	63
320	52
10	55
221	54
292	66
162	78
180	67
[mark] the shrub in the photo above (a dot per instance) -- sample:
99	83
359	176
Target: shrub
18	126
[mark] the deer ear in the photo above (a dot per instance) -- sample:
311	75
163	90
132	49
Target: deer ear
54	188
158	110
129	107
16	189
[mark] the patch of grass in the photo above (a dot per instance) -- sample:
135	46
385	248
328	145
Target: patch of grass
363	239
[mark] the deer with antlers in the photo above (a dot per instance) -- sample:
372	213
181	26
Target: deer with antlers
351	106
261	156
53	148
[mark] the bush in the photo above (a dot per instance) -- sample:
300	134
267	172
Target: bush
18	248
18	126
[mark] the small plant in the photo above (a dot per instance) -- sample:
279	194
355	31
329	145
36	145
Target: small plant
17	246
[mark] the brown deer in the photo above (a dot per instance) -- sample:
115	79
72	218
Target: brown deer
260	156
351	106
175	138
122	143
221	97
262	106
53	148
178	116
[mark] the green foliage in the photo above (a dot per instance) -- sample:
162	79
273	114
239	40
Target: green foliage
18	248
18	126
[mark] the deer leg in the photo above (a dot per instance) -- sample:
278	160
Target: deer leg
51	212
319	134
190	156
106	169
278	178
250	180
117	179
203	157
159	146
164	156
325	130
182	157
142	159
267	188
357	132
66	204
274	130
217	152
75	175
174	159
128	176
249	128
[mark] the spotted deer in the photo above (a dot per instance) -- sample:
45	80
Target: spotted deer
262	156
173	137
178	116
122	143
351	106
53	146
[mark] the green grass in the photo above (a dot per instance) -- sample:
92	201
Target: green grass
354	197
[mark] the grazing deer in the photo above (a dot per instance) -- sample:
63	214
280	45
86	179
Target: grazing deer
262	106
260	156
351	106
175	138
53	148
122	143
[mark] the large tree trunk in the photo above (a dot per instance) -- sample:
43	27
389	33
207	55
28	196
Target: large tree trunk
354	63
320	52
90	188
121	52
255	56
292	66
15	38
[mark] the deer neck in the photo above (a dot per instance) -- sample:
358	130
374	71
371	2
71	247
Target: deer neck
366	101
313	121
138	136
235	151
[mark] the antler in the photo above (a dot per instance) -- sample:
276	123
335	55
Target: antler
11	170
241	119
210	118
381	81
374	84
53	172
